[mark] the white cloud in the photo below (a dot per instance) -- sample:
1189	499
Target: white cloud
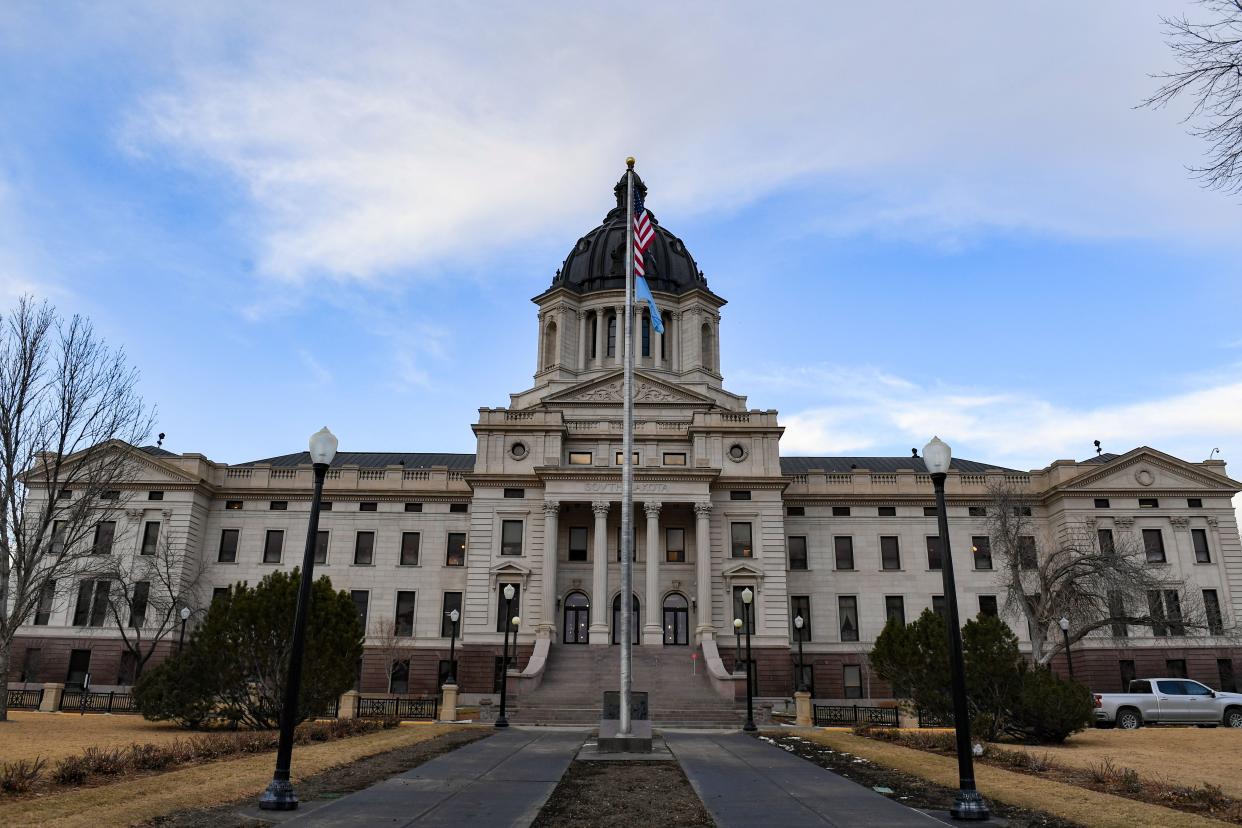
317	373
408	136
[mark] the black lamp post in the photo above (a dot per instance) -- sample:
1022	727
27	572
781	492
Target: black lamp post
737	642
747	597
503	720
279	795
969	804
452	676
185	616
1069	658
799	622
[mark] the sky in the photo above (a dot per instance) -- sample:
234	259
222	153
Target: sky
926	218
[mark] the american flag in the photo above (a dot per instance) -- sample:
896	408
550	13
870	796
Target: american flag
644	233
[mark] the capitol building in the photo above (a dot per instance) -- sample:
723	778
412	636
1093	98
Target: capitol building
845	542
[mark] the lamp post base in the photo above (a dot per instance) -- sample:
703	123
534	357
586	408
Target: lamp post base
502	722
969	807
279	796
749	727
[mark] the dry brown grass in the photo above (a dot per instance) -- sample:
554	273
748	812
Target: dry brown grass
138	800
56	735
1085	807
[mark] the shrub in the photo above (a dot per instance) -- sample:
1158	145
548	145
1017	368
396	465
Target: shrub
1049	709
72	770
18	777
105	761
149	757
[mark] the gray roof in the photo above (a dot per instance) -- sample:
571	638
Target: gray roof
158	452
1102	458
884	465
373	460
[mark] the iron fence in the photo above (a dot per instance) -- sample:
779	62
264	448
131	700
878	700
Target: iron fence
112	702
25	699
827	715
386	708
932	720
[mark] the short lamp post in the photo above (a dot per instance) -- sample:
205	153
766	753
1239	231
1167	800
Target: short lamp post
503	720
799	622
454	617
279	795
185	616
969	804
748	598
1069	658
737	642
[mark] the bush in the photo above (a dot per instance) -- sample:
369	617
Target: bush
18	777
1049	709
72	770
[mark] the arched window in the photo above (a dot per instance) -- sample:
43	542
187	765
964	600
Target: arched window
612	335
709	347
635	627
593	328
577	618
646	333
549	345
676	619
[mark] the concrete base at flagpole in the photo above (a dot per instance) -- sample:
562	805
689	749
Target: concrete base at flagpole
638	740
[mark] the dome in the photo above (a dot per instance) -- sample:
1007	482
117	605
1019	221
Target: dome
597	261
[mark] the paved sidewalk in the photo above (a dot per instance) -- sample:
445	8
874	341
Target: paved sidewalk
745	782
502	780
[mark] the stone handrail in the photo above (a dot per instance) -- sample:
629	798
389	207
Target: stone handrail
723	682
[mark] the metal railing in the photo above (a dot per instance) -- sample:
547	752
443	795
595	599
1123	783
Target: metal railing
827	715
385	708
932	720
25	699
113	702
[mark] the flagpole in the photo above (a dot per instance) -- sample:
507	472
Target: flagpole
627	466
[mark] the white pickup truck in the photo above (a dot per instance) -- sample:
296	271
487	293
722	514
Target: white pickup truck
1167	701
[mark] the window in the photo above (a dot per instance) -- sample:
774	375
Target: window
456	554
58	536
1202	553
895	609
511	537
674	545
800	605
930	511
646	334
739	495
1224	668
674	458
796	511
92	606
218	592
105	532
405	614
368	506
612	335
325	505
361	599
580	458
30	664
515	494
890	552
1194	503
577	543
515	607
233	505
273	546
620	458
1166	614
138	604
840	511
1117	610
64	494
981	551
228	545
1153	543
452	601
1149	503
934	559
847	606
278	506
1105	537
1021	511
321	546
987	605
739	608
1028	557
155	495
888	511
1175	667
399	677
409	548
740	537
797	553
1211	609
79	669
47	598
843	551
1128	673
459	508
364	549
110	494
150	537
851	677
592	336
938	605
413	507
978	511
1101	503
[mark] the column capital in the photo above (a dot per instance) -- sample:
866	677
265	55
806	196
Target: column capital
551	507
600	507
703	510
652	507
1179	522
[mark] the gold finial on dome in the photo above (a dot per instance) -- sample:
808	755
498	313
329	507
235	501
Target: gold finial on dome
629	162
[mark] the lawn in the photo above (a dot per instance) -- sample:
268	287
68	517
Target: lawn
56	735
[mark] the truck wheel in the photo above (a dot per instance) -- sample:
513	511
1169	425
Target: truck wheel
1129	719
1233	717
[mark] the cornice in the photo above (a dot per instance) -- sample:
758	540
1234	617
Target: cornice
613	474
1213	482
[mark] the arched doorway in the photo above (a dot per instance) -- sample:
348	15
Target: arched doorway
577	621
635	626
676	619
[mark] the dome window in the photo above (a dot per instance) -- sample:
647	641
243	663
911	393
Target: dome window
518	450
737	452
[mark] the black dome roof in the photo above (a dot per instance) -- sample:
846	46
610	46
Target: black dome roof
597	261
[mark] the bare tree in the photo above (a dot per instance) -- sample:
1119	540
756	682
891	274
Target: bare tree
382	640
69	417
147	592
1210	56
1101	586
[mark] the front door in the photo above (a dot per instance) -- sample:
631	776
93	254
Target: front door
676	619
635	626
577	620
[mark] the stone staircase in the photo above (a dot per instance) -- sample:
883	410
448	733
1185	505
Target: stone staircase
572	690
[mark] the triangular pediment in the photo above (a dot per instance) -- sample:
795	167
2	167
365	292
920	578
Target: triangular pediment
648	390
742	569
140	467
1148	469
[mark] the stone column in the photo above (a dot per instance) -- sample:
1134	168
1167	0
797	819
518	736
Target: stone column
448	708
348	705
601	337
599	579
551	512
653	631
673	327
657	341
802	708
703	565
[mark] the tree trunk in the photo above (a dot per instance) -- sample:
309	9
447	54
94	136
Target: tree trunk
5	648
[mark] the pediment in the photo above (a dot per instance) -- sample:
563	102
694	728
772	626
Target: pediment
648	390
742	569
1147	469
140	467
509	569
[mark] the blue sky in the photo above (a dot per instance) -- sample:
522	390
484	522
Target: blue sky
924	219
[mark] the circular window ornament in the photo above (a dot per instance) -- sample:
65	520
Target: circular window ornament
1144	477
737	452
518	450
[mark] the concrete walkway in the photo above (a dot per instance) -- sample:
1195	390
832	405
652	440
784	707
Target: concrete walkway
745	782
502	780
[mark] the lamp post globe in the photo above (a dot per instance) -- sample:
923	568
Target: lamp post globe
748	597
185	616
508	592
737	643
280	795
799	623
968	804
1069	659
